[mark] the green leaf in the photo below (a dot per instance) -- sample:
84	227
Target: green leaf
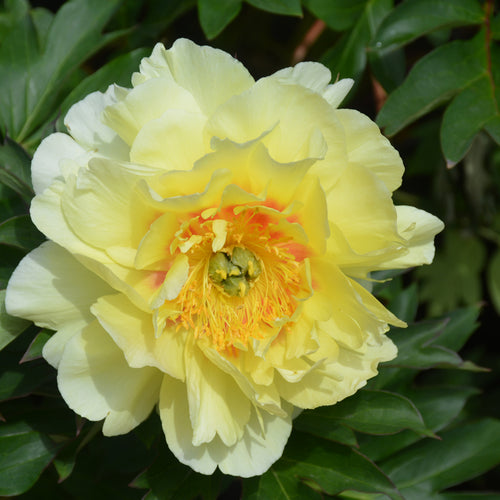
321	425
433	343
117	71
470	111
35	349
32	75
20	232
373	412
494	280
24	454
405	304
434	79
286	7
331	467
168	479
19	379
273	486
15	169
464	452
348	57
454	278
216	15
10	327
338	15
439	406
414	18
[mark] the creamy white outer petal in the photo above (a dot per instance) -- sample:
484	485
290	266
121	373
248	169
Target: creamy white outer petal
51	288
335	93
418	228
46	163
84	122
312	75
211	75
96	382
252	455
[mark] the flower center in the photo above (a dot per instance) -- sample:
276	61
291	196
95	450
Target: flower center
234	272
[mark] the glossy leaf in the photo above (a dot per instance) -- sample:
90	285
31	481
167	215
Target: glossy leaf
315	422
373	412
470	111
20	232
31	75
216	15
331	467
274	486
464	452
439	406
34	350
434	79
414	18
338	15
348	57
433	343
21	379
24	454
287	7
10	327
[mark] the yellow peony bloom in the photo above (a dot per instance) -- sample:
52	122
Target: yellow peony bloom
210	242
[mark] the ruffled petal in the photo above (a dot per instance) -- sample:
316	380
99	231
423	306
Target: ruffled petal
96	382
210	75
84	122
133	331
261	445
51	288
46	164
368	147
418	228
172	142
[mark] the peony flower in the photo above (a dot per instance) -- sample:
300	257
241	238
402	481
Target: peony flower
210	244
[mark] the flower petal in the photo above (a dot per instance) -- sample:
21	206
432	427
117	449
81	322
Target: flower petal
46	164
368	147
133	332
418	228
85	124
210	75
216	403
172	142
252	455
51	288
96	382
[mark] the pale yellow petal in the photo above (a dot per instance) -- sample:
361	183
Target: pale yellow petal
333	381
361	207
53	289
368	147
96	382
252	455
312	75
84	123
335	93
172	142
132	330
45	167
144	103
216	403
210	75
418	228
